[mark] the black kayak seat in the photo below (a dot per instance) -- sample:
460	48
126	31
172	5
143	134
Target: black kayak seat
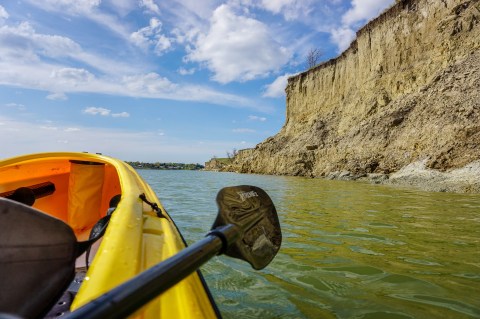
37	259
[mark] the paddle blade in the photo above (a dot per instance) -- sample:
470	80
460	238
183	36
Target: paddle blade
252	211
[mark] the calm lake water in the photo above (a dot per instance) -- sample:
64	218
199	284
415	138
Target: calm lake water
350	250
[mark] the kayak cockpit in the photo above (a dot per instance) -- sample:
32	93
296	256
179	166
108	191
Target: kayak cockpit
80	190
77	192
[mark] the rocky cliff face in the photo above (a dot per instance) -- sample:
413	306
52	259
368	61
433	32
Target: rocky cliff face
407	90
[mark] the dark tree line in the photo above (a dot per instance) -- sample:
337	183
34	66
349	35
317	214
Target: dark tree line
169	166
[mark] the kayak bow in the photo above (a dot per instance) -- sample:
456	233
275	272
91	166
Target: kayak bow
79	188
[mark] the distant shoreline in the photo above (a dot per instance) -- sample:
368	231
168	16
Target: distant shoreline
166	166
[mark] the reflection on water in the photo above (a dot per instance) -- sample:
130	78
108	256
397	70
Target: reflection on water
350	250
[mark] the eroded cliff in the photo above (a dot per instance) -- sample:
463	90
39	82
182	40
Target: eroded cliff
407	90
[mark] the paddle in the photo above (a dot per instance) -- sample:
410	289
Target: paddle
246	227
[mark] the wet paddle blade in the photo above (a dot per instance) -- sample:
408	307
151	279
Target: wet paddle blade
252	211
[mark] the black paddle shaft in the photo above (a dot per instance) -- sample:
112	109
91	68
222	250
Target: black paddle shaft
245	212
125	299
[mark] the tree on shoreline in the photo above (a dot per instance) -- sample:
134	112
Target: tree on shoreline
233	154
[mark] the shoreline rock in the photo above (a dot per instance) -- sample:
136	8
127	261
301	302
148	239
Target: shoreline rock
461	180
416	175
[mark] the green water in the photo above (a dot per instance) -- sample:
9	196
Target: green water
350	250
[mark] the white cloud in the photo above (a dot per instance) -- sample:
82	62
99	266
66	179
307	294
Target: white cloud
243	130
122	114
150	83
184	71
92	110
360	12
151	36
57	96
49	128
71	6
276	6
150	5
39	75
58	64
72	75
23	41
162	45
238	48
88	9
277	87
257	118
342	37
3	14
364	10
291	9
121	7
22	45
29	137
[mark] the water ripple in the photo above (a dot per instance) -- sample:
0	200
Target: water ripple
349	250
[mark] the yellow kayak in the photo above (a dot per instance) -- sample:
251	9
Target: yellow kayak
79	188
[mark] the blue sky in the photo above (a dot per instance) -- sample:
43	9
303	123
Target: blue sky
155	80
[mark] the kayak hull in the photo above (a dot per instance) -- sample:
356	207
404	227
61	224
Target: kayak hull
136	237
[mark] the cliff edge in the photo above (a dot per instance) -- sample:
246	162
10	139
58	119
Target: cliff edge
400	104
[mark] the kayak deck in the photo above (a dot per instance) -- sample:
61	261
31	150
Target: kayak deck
136	237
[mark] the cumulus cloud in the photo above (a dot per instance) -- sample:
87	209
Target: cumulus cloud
57	96
363	10
70	6
238	48
88	9
73	75
121	7
59	65
122	114
243	130
184	71
151	36
22	44
24	41
92	110
150	5
257	118
151	83
342	37
3	14
360	12
290	9
277	87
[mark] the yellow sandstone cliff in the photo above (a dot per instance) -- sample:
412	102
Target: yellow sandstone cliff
406	91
